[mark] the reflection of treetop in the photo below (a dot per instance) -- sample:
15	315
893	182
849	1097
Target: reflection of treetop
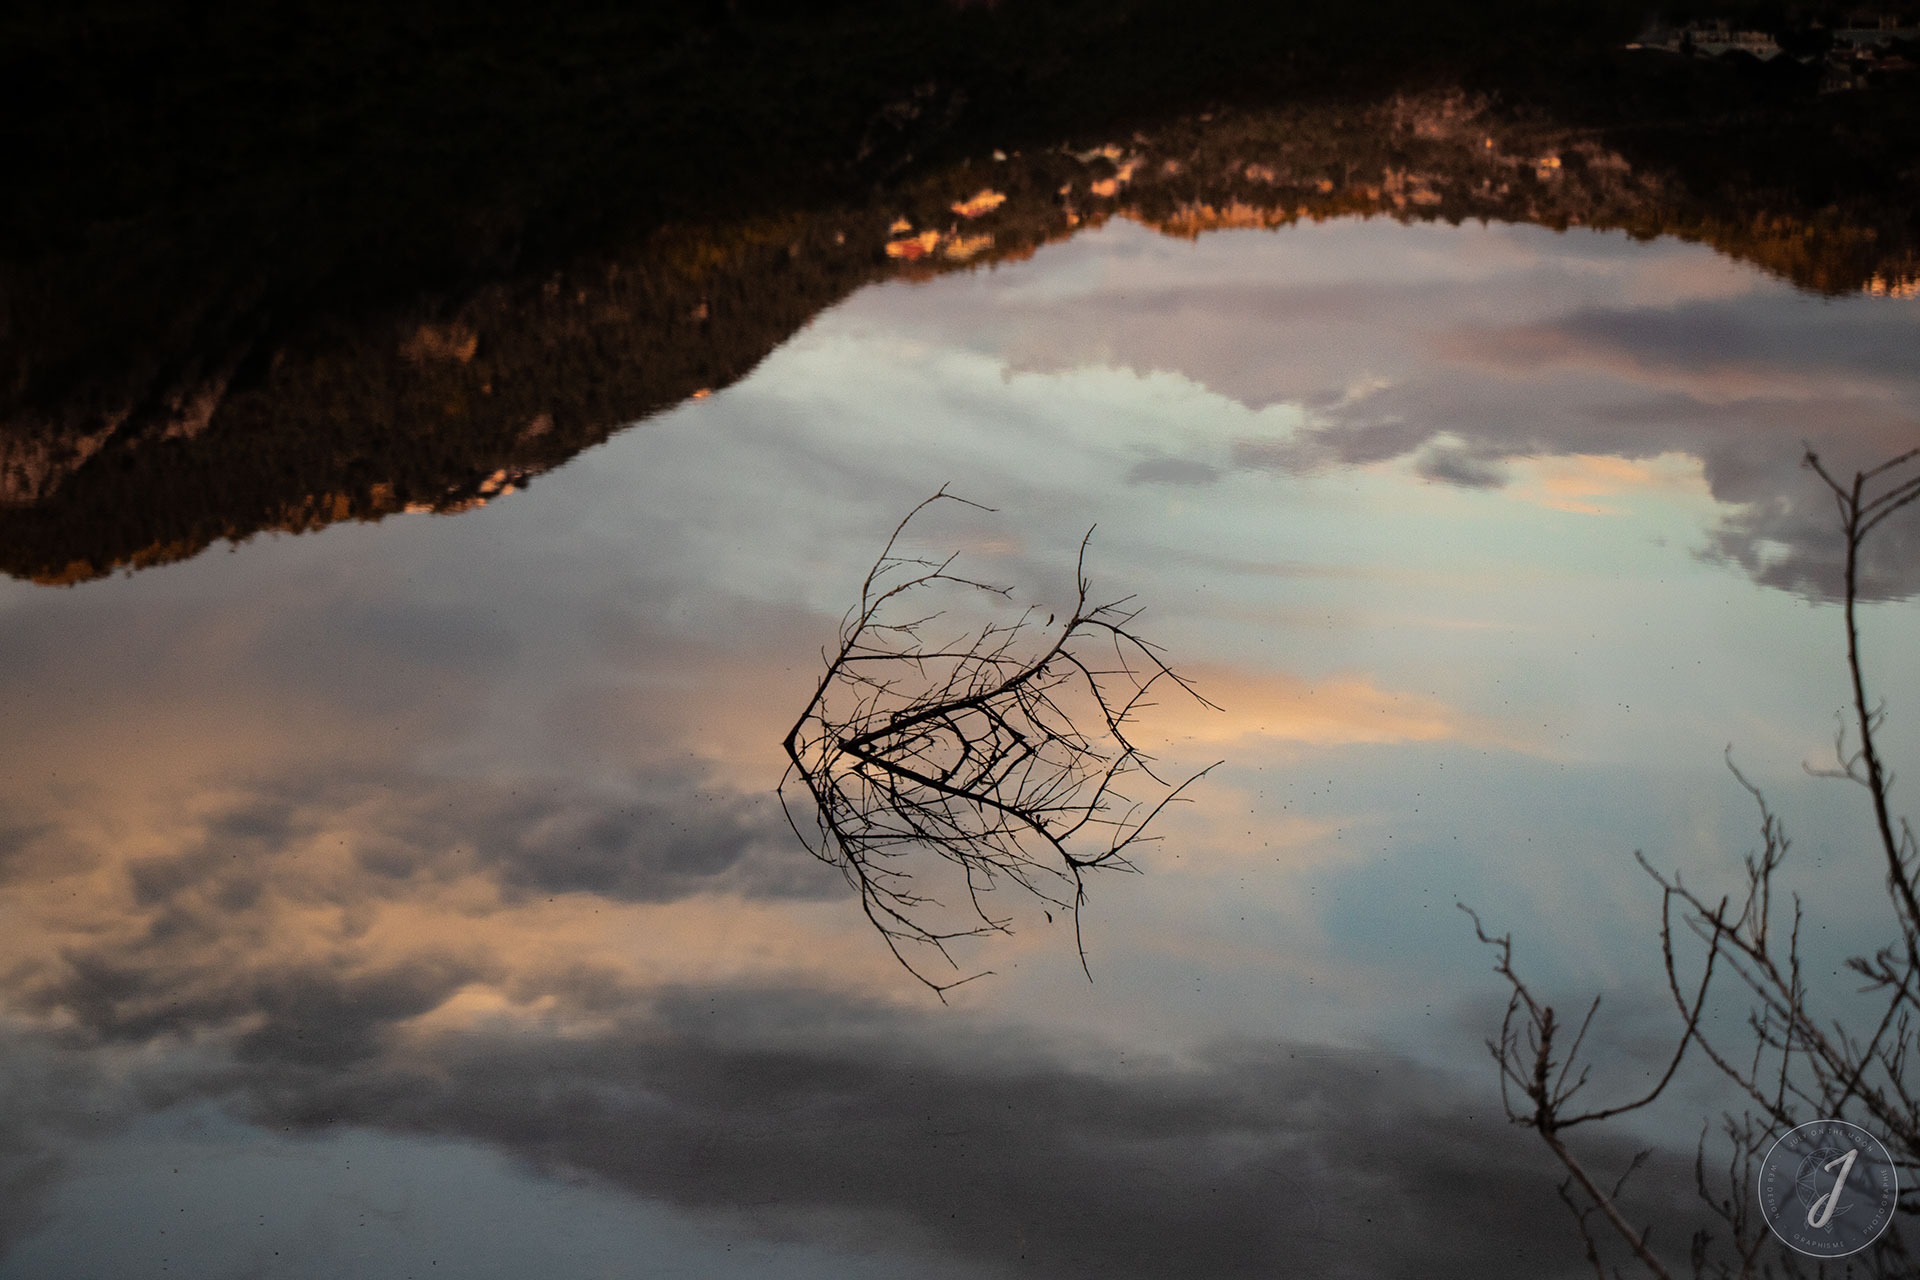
946	767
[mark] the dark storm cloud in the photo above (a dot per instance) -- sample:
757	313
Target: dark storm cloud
1458	466
1756	341
830	1117
49	1096
311	1013
1792	541
1352	439
320	1019
667	845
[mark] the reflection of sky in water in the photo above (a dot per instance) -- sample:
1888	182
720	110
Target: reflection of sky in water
422	886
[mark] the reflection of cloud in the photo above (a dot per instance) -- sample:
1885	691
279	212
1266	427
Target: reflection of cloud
1749	346
50	1095
1467	350
14	843
848	1121
1713	354
429	867
1462	467
308	916
1212	562
450	958
1353	441
1173	471
795	1114
1331	712
1572	482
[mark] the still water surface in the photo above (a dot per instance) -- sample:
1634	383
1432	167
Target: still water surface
411	899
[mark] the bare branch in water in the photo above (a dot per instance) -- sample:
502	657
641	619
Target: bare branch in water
1001	753
1793	1062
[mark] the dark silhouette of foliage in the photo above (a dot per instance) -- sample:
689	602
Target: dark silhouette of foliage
135	433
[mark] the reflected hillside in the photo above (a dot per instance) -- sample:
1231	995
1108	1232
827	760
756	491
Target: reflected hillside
251	409
438	411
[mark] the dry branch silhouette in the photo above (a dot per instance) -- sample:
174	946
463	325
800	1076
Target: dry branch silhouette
1795	1058
997	753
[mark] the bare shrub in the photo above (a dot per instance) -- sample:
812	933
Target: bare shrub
997	752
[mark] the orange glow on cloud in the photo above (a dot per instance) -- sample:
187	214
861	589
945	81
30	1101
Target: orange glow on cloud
1574	482
1336	711
201	931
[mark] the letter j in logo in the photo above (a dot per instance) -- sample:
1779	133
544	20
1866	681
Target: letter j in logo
1822	1212
1827	1189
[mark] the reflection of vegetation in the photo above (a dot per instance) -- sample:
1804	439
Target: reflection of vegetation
264	271
1799	1059
423	412
1002	752
187	190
